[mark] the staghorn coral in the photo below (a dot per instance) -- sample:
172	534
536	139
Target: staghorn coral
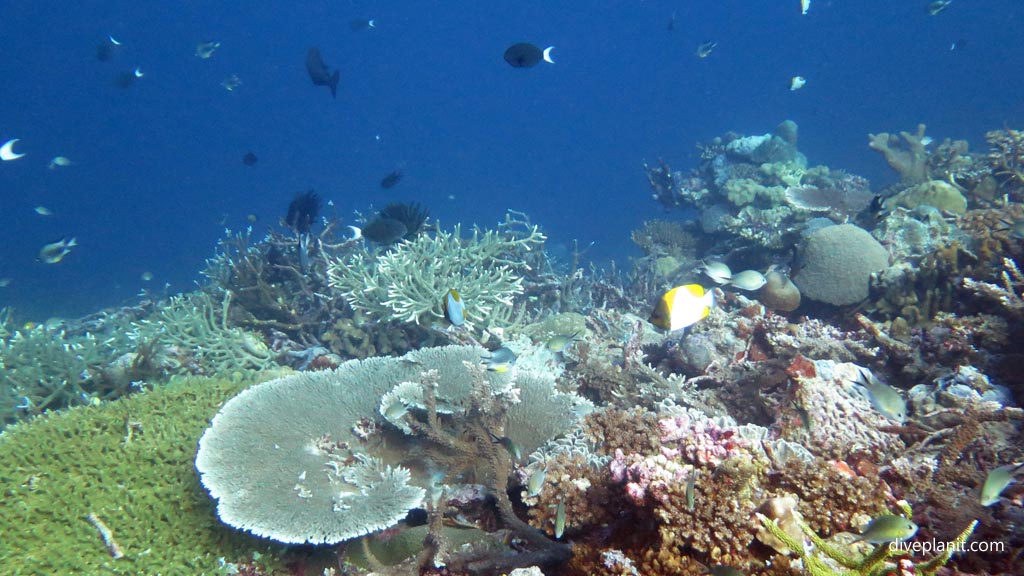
1006	158
408	283
199	324
1010	295
904	152
51	367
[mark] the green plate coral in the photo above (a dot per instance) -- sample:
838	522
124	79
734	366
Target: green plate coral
128	464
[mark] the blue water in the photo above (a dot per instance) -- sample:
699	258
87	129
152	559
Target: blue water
157	166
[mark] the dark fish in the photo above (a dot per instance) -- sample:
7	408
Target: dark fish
127	79
876	206
671	23
249	159
391	179
959	44
302	211
319	73
104	51
526	55
358	24
385	231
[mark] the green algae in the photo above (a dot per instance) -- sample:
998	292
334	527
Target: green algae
130	463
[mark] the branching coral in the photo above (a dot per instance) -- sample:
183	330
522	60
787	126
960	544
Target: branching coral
199	324
1010	295
49	368
905	153
408	283
824	559
1007	155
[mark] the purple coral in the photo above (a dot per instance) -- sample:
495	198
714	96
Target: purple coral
698	441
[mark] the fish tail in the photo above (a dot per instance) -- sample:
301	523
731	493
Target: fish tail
334	83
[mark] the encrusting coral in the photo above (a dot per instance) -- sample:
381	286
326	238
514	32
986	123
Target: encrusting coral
129	465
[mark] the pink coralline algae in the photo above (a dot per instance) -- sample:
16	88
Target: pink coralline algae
687	444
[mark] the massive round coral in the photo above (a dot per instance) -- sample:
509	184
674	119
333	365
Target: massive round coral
837	264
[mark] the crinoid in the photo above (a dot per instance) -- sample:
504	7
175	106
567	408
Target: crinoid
302	211
412	215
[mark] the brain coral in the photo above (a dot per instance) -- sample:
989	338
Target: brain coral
837	264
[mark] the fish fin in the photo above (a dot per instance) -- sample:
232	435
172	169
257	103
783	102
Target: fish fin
334	83
72	242
547	54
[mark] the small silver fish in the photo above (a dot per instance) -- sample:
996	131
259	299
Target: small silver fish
511	447
719	272
231	82
58	162
535	483
560	519
560	342
43	211
705	49
888	528
748	280
54	252
691	483
997	481
886	400
206	49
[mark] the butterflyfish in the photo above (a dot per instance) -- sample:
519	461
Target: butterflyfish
454	308
682	306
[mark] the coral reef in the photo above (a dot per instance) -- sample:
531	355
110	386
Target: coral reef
378	436
128	465
408	282
1006	159
1010	294
199	324
936	193
837	264
904	152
